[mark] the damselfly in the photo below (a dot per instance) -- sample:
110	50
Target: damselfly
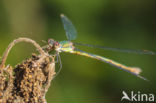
68	46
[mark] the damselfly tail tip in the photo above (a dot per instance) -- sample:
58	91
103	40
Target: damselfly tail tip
143	78
136	70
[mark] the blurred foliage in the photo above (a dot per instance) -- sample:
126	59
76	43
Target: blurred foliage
116	23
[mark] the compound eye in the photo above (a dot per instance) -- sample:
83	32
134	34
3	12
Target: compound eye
56	44
51	42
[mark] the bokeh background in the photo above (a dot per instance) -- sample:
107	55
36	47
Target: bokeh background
129	24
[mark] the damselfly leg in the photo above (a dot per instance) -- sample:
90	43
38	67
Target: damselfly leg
58	60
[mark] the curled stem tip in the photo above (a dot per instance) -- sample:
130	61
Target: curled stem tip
21	39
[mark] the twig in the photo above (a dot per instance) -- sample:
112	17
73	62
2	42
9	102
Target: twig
5	55
28	82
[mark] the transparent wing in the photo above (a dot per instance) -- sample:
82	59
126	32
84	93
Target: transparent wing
69	28
119	50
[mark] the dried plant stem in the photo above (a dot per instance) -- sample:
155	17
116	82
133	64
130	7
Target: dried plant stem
5	55
6	93
27	82
50	75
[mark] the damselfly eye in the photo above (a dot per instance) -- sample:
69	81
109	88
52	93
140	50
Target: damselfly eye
51	42
56	44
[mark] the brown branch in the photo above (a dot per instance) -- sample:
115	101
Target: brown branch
29	81
5	55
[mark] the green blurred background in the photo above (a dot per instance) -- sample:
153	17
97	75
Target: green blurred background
115	23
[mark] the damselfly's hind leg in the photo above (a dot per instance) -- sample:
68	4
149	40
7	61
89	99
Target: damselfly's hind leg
58	60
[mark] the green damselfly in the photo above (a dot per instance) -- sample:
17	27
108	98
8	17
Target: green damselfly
68	46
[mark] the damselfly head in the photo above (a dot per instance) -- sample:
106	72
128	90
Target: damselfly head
53	44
